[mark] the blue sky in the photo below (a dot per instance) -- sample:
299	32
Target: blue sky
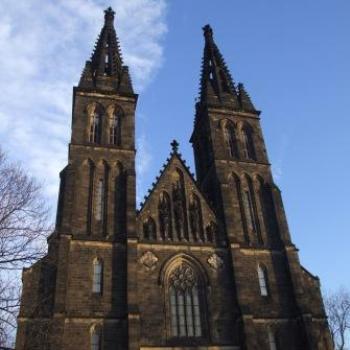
293	57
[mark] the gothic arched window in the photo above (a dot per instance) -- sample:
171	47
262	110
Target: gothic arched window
99	203
96	127
164	213
149	229
97	278
272	340
115	127
184	303
248	142
230	136
263	281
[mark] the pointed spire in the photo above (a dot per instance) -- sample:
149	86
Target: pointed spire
217	85
245	100
105	69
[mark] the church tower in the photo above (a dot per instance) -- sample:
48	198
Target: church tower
279	301
204	263
80	287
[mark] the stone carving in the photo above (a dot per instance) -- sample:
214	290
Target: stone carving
215	261
183	277
178	210
196	218
149	260
164	216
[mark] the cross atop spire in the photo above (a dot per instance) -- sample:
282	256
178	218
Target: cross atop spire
175	146
217	85
105	70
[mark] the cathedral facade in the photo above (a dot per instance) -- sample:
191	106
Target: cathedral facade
206	262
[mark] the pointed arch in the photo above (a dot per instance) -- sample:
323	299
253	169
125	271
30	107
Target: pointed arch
248	142
164	216
231	139
184	289
95	338
115	125
95	132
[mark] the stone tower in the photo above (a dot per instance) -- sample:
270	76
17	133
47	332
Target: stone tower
203	264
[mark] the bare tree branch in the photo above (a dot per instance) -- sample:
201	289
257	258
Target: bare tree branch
338	310
23	232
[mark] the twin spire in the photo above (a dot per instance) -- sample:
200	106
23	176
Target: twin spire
105	69
217	86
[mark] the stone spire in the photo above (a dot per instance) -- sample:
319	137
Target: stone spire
105	69
217	86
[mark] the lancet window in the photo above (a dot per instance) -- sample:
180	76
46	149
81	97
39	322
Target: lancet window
184	303
99	202
97	276
95	127
248	142
115	127
263	280
230	136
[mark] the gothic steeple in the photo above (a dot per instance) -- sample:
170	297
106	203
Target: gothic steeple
105	69
217	86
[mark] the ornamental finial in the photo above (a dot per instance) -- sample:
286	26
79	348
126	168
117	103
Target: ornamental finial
109	15
175	146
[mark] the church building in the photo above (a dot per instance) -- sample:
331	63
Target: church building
206	262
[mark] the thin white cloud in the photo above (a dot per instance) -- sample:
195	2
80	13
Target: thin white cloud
44	45
143	163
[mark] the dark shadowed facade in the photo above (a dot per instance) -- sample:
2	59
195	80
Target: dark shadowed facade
205	263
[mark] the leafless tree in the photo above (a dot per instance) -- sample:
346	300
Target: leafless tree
337	306
23	231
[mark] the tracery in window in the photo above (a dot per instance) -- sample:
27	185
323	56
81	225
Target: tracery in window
97	276
248	142
115	127
263	281
185	308
230	136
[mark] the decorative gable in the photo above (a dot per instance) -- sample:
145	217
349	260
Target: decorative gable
176	210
